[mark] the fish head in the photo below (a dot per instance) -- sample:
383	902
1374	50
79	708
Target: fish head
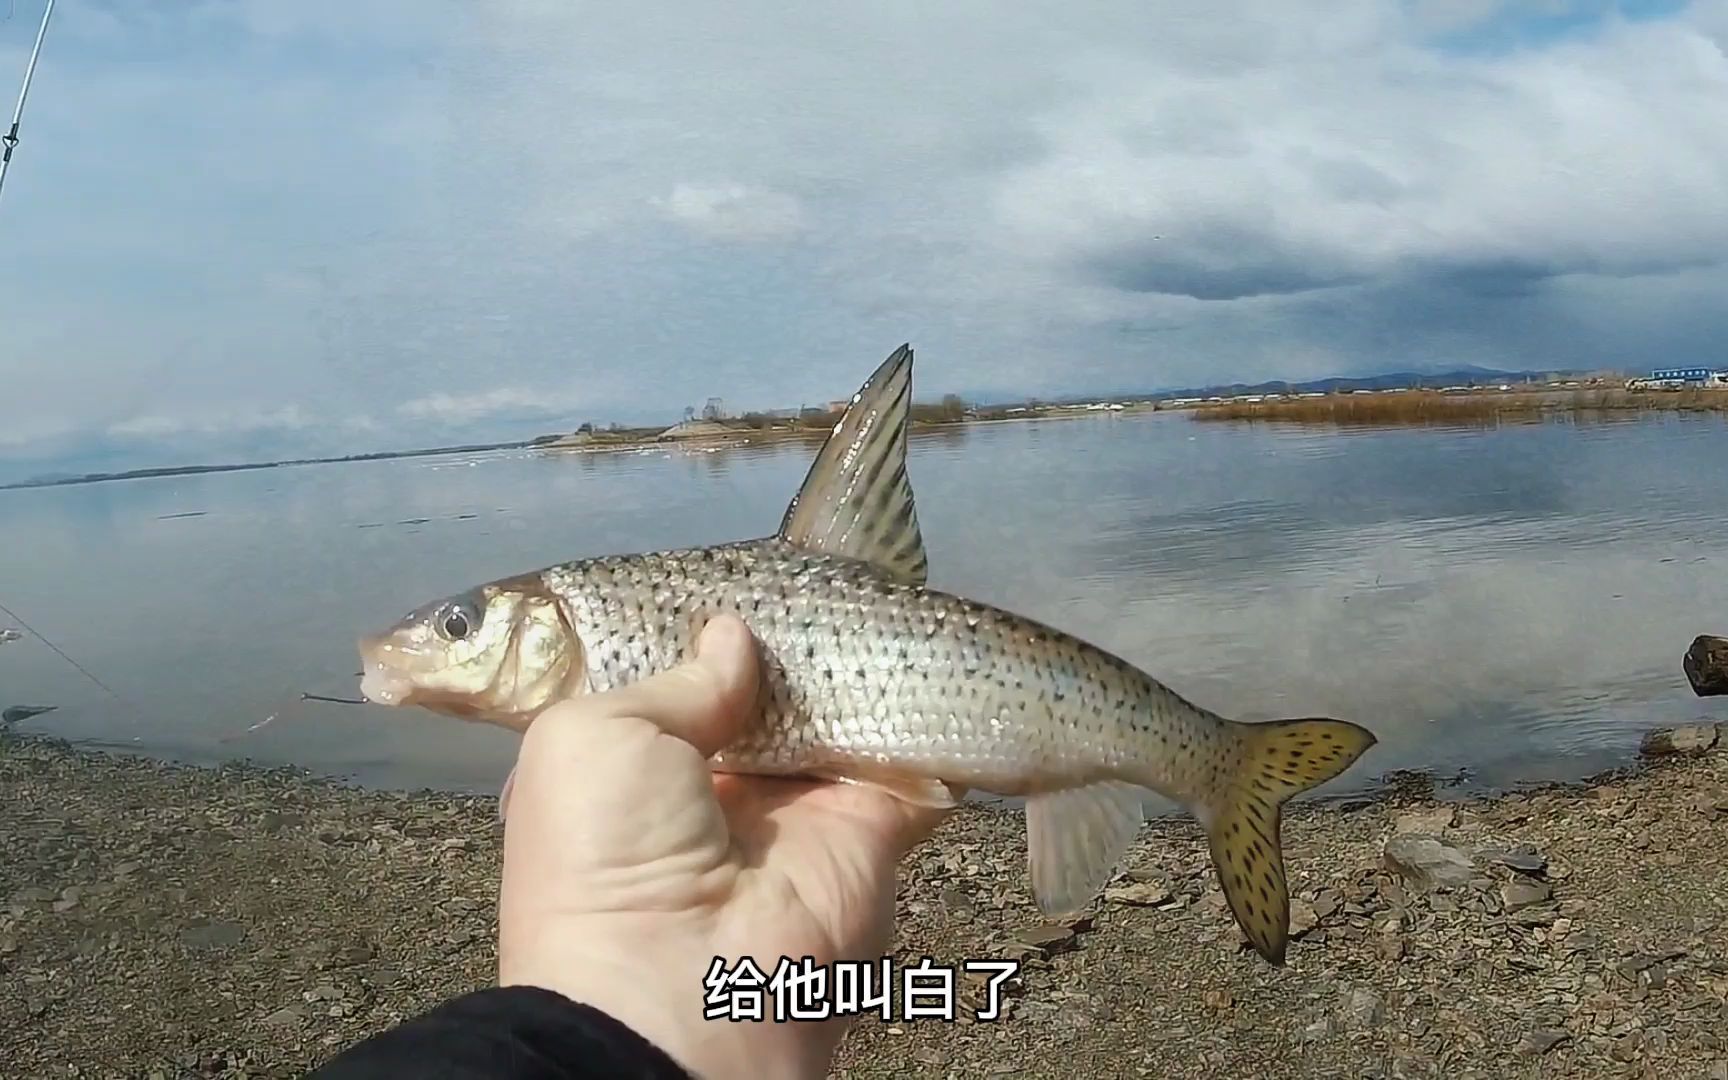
499	653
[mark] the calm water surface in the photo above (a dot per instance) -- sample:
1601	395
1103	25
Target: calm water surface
1512	602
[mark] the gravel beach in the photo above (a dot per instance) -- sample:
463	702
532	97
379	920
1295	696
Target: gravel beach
161	921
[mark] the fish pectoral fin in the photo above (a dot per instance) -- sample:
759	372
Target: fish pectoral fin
1076	837
917	790
856	500
1243	822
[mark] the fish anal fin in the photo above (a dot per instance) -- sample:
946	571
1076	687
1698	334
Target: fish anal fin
917	790
1076	837
856	500
1243	821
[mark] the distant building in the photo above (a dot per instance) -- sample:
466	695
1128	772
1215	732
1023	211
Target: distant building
1691	375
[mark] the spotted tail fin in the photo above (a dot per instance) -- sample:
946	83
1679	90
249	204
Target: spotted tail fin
1278	759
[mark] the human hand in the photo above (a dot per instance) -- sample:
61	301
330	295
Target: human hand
629	865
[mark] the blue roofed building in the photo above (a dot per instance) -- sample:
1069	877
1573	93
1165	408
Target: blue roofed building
1678	378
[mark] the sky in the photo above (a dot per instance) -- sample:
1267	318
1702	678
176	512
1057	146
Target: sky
241	227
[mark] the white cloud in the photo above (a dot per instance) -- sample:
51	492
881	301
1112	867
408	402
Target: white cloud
214	421
465	407
1600	157
735	211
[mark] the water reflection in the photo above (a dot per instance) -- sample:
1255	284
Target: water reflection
1512	600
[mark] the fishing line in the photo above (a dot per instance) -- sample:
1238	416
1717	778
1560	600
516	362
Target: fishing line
37	634
304	697
117	696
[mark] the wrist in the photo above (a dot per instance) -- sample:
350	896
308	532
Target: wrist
661	999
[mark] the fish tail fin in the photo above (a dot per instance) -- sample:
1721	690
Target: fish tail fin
1273	761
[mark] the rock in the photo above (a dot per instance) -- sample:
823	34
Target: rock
1043	941
1302	918
1361	1009
1523	860
1318	1030
287	1016
1139	894
1631	967
1326	904
957	904
1541	1040
1518	895
1719	1071
1427	861
1706	665
1687	740
212	935
1534	917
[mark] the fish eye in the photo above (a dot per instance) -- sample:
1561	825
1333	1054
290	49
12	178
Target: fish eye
456	621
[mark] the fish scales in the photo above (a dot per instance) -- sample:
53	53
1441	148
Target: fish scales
871	677
862	670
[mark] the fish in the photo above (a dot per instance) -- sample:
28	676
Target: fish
870	676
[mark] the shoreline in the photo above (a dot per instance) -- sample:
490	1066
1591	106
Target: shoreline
177	920
1350	408
1423	408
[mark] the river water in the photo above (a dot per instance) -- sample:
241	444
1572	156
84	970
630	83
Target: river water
1504	604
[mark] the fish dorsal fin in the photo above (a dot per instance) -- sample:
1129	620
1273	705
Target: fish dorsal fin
856	500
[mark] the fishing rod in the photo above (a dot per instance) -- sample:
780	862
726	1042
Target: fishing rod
10	139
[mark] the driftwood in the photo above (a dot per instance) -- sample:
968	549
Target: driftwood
1706	666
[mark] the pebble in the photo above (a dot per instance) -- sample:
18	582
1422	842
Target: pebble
1427	861
1361	1009
213	935
1687	740
1521	894
1523	861
1540	1041
1139	894
1045	941
286	1016
958	904
1326	904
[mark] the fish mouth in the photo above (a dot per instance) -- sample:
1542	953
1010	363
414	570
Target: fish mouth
379	681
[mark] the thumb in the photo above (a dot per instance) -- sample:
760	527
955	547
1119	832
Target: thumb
704	701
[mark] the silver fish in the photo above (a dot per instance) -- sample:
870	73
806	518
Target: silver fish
871	677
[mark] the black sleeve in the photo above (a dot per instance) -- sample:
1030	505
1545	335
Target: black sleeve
517	1032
